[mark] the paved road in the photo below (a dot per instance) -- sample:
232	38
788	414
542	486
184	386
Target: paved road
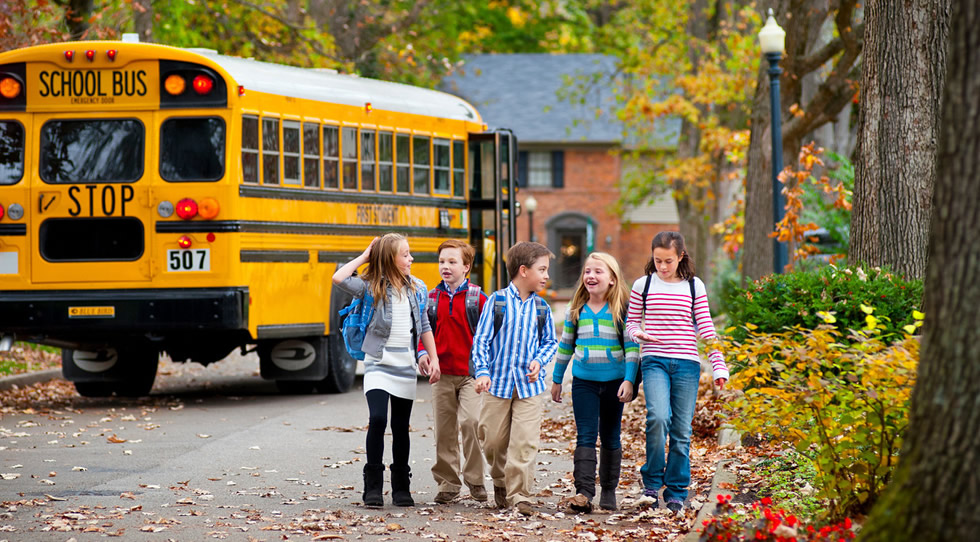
216	453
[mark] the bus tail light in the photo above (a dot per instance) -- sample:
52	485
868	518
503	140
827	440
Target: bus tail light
187	208
1	210
10	87
90	55
184	242
175	85
202	84
208	208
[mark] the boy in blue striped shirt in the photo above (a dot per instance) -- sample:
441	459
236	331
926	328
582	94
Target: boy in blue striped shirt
508	363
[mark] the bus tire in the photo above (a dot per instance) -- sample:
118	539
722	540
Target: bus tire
340	379
141	371
95	389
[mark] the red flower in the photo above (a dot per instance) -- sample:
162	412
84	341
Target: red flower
766	501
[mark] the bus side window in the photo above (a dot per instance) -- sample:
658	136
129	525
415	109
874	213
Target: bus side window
331	157
420	155
385	170
270	151
290	152
11	152
311	154
459	168
403	163
367	161
348	146
440	149
250	149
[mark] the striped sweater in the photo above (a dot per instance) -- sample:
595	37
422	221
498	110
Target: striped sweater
595	350
668	318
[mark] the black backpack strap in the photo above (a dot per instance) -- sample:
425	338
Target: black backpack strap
432	308
621	329
499	306
473	306
693	317
646	289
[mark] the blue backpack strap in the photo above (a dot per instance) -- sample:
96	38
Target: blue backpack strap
473	306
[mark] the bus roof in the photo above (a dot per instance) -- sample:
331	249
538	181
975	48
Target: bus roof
283	80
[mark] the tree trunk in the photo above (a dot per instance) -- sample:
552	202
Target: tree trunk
143	19
898	133
936	492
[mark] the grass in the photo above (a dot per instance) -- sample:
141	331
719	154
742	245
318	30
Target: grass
28	357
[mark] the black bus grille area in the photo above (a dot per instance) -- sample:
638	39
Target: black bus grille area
91	239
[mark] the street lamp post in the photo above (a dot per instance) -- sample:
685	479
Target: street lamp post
530	205
772	39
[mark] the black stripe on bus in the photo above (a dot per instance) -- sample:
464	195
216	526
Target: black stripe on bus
330	256
13	229
290	330
305	228
280	256
277	192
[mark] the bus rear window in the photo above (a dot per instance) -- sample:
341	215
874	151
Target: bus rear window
11	152
192	149
89	151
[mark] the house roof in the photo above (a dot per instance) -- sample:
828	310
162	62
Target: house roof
547	99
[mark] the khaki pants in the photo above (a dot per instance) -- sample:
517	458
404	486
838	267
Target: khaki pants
456	406
510	430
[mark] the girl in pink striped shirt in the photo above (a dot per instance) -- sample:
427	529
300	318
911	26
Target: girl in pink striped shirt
664	307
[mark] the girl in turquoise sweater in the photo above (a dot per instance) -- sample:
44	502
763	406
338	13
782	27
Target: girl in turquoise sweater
604	369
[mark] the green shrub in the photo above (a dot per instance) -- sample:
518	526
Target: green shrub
790	479
844	404
776	303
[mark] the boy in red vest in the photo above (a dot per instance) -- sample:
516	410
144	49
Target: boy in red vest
454	310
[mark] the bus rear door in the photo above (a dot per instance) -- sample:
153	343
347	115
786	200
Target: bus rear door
492	157
92	221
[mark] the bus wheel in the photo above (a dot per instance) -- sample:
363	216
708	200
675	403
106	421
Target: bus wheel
141	371
342	367
95	389
295	387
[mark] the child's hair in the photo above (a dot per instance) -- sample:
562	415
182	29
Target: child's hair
617	296
465	249
382	270
525	253
672	240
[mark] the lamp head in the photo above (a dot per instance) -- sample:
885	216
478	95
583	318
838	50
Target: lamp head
531	204
772	37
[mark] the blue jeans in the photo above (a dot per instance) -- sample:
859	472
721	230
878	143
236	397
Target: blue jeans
671	389
598	412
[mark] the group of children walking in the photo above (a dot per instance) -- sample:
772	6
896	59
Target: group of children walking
486	357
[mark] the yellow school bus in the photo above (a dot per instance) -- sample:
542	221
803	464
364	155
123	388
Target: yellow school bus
157	199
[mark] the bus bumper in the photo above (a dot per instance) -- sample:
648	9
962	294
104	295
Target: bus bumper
64	313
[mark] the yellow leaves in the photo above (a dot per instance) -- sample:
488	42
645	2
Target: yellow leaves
516	16
750	326
918	315
866	309
826	317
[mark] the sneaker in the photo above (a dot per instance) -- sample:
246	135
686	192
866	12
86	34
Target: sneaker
675	505
478	493
500	497
446	497
650	496
524	508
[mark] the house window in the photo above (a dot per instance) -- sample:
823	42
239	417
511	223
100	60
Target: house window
541	169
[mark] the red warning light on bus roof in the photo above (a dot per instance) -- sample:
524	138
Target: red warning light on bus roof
202	84
111	53
90	55
69	55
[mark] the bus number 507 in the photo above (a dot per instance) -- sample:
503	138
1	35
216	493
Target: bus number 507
189	260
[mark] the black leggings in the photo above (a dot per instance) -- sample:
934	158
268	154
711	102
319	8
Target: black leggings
401	411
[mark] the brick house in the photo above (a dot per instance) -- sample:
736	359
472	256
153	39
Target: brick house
568	159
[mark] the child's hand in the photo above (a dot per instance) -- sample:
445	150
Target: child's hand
435	373
367	252
556	392
720	382
625	391
424	365
644	337
482	384
534	369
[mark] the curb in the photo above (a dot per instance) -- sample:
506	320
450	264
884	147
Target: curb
28	379
722	476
